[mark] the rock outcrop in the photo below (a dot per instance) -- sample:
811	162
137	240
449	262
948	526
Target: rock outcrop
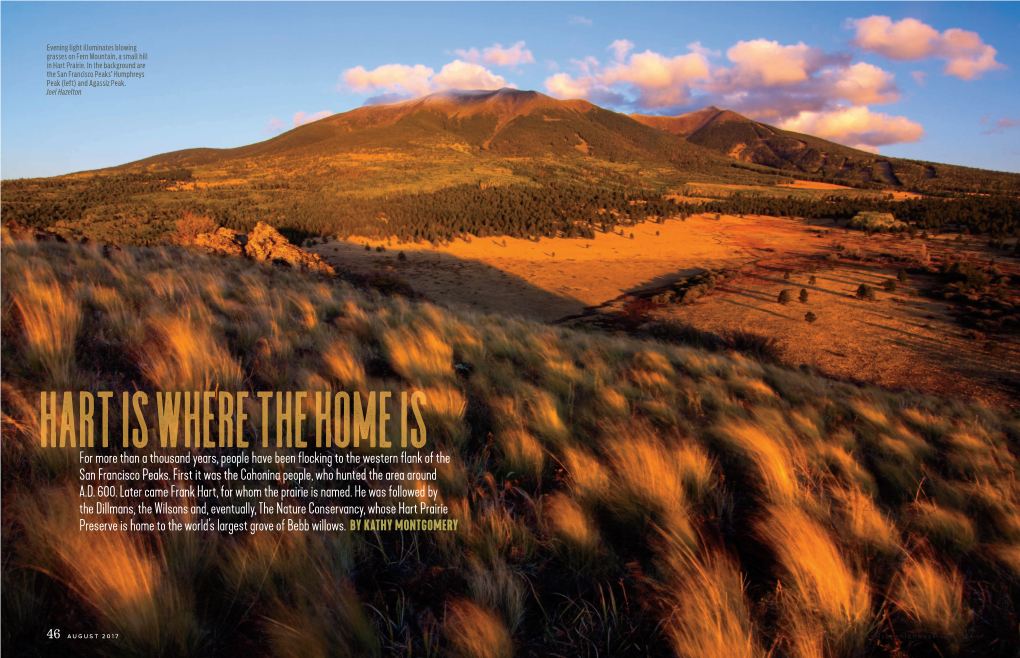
264	243
224	242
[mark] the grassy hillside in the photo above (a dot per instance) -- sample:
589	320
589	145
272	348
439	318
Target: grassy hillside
615	496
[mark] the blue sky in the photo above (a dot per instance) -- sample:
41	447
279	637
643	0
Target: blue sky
931	81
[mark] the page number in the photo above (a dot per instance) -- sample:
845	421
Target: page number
53	634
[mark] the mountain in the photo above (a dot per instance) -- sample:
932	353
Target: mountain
506	162
508	122
746	140
690	123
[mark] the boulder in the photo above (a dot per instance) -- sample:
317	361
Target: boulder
231	234
266	244
217	243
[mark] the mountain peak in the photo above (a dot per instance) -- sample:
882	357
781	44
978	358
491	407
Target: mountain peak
504	103
689	123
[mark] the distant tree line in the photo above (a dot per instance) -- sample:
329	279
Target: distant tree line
992	215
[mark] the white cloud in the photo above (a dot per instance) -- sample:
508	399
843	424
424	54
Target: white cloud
966	55
652	80
769	64
400	81
497	55
858	127
860	84
797	85
464	75
397	78
580	20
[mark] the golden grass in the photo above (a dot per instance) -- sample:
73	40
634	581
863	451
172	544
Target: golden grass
707	614
649	478
864	524
589	478
342	365
770	458
186	355
522	452
942	526
422	358
571	526
931	596
50	319
111	571
824	585
632	454
476	633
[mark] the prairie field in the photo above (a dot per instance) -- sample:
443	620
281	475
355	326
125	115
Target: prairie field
906	338
616	494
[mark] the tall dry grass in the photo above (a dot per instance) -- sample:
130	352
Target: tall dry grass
613	494
474	632
706	614
931	596
824	586
50	318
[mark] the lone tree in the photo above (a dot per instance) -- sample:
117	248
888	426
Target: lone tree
902	276
812	280
786	276
803	295
889	285
785	297
810	317
865	291
401	256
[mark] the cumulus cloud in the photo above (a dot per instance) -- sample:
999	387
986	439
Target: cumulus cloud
580	20
858	127
769	64
394	78
300	118
464	75
647	80
966	55
796	86
767	80
860	84
401	82
497	55
274	127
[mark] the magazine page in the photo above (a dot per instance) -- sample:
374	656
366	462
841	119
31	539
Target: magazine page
491	329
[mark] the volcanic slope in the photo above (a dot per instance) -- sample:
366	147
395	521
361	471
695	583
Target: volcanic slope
744	139
505	122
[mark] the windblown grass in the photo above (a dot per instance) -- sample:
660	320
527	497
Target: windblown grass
614	495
